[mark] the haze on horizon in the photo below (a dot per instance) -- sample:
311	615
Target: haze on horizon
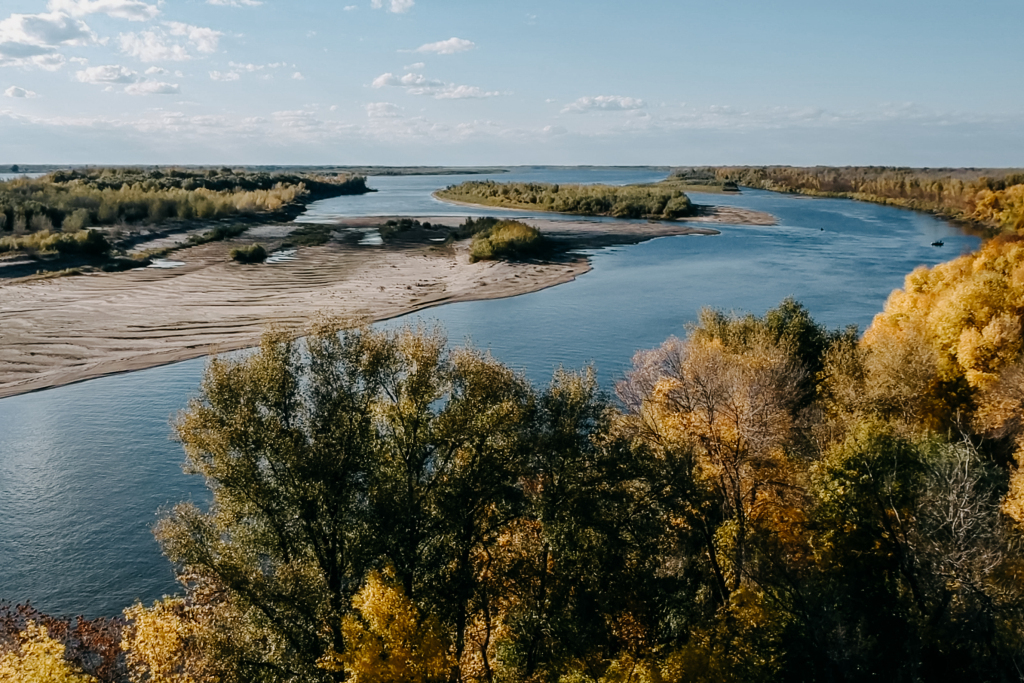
407	82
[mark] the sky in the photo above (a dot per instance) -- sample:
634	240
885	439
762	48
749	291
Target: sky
493	82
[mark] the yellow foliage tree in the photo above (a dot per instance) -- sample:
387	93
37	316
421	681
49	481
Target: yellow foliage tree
733	405
39	659
160	643
967	311
389	642
1000	415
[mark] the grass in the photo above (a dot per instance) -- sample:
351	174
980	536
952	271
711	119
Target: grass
218	234
309	236
88	242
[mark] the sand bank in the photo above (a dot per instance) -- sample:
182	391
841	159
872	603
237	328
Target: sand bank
64	330
704	213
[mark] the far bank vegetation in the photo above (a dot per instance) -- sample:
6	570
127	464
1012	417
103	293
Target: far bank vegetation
993	199
39	214
665	200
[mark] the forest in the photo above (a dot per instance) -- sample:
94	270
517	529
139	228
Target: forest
60	211
763	499
991	199
665	200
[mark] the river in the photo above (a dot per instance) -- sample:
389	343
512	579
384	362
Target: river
85	469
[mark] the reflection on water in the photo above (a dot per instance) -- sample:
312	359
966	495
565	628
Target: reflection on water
282	256
85	468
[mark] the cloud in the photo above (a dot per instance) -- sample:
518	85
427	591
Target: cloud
418	66
418	84
132	10
238	68
604	103
349	8
107	75
152	46
408	80
34	39
255	67
159	46
156	71
229	76
153	88
15	91
297	76
463	92
396	6
447	47
235	3
204	39
382	110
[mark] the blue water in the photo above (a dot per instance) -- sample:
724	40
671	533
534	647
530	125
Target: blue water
84	469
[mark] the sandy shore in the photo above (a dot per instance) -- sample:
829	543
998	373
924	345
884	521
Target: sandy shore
64	330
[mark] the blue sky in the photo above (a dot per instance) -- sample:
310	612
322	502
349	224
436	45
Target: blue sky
457	82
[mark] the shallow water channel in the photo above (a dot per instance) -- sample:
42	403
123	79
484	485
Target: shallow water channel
84	469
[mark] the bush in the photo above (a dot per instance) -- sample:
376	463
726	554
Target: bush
505	240
251	254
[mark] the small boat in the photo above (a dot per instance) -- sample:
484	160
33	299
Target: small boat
937	243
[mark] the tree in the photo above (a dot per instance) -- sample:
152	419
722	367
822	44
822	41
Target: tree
327	459
39	659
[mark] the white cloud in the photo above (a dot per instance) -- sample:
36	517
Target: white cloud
132	10
152	46
255	67
462	92
382	110
15	91
156	71
34	39
297	76
418	66
204	39
349	8
235	3
237	69
447	47
158	45
106	75
418	84
396	6
153	88
604	103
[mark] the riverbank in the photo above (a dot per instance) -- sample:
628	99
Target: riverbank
65	330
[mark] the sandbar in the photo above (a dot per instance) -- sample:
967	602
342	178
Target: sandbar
69	329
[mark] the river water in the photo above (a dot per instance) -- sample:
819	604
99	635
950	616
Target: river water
85	469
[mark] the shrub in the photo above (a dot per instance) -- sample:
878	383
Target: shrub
505	240
251	254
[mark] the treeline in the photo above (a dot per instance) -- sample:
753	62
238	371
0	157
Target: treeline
70	201
995	202
665	200
767	500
